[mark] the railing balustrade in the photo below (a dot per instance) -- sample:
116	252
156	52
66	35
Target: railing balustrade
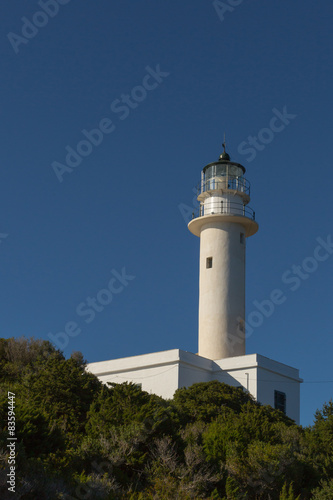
228	182
223	207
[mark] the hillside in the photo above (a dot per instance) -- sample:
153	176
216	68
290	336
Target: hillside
79	439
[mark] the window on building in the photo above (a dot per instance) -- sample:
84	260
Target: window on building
209	262
280	401
242	238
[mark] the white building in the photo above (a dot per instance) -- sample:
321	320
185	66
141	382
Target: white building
223	224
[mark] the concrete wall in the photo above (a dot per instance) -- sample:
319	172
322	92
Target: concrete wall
193	369
262	376
246	378
162	373
221	290
273	376
157	373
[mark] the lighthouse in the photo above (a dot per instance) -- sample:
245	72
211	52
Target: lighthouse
223	223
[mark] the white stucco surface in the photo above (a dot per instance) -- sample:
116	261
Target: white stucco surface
222	283
221	290
162	373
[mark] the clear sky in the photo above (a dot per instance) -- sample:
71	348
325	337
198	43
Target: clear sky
162	81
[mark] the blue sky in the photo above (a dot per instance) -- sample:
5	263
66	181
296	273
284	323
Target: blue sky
163	81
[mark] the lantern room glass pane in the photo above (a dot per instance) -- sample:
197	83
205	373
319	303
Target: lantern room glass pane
223	169
234	170
224	176
210	172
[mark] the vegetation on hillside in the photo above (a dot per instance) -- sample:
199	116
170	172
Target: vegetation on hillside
80	439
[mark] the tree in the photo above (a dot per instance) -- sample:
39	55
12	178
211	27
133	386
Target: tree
318	443
259	448
288	493
324	491
123	404
79	438
207	400
20	356
63	391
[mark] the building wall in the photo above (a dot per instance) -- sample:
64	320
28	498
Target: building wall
193	369
221	290
157	373
269	381
240	370
154	380
162	373
246	378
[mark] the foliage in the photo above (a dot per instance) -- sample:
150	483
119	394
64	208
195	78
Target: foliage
20	356
207	400
324	491
288	493
78	438
319	442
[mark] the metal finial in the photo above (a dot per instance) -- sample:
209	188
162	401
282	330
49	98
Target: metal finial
224	155
223	143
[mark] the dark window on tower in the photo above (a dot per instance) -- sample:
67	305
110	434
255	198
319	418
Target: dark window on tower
280	401
242	238
209	262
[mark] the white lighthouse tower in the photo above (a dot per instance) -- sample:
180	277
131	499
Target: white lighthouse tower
223	224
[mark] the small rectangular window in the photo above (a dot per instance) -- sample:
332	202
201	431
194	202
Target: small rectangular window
209	262
280	401
242	238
